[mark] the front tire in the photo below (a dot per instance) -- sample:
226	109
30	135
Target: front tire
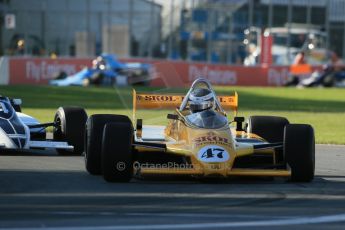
270	128
117	161
93	139
71	128
299	150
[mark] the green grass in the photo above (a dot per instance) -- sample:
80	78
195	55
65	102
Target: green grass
324	109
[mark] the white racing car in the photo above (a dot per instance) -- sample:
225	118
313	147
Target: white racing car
20	131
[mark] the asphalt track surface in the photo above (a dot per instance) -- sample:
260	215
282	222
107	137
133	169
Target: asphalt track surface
43	190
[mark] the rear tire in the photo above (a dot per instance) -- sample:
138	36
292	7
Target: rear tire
117	160
71	128
299	149
96	78
93	139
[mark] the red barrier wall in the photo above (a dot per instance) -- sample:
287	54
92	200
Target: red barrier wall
174	74
164	73
41	70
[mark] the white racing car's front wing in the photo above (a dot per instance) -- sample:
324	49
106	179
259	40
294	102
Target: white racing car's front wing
50	145
41	145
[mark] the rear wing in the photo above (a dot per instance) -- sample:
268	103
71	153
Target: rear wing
173	101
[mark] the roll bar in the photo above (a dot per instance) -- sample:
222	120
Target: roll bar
209	86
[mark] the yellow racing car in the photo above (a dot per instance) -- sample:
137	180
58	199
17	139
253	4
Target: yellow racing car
199	141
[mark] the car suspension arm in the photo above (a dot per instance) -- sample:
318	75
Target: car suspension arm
44	125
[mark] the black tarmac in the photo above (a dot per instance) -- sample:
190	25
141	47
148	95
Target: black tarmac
44	190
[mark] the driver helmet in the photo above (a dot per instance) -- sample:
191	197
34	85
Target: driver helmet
201	99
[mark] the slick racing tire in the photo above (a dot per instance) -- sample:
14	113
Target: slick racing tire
299	150
71	128
270	128
96	78
60	75
329	80
117	162
93	139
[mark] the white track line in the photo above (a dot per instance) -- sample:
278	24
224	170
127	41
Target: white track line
262	223
273	195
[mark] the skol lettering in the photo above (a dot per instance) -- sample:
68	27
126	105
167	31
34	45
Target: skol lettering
159	98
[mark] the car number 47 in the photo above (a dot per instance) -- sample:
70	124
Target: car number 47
212	153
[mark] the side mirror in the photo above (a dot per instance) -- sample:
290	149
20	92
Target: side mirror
239	121
172	116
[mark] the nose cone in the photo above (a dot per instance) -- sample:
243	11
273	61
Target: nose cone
13	132
214	152
214	159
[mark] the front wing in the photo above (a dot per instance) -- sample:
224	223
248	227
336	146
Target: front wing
50	145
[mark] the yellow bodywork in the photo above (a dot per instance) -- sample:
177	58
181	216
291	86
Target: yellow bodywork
201	146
